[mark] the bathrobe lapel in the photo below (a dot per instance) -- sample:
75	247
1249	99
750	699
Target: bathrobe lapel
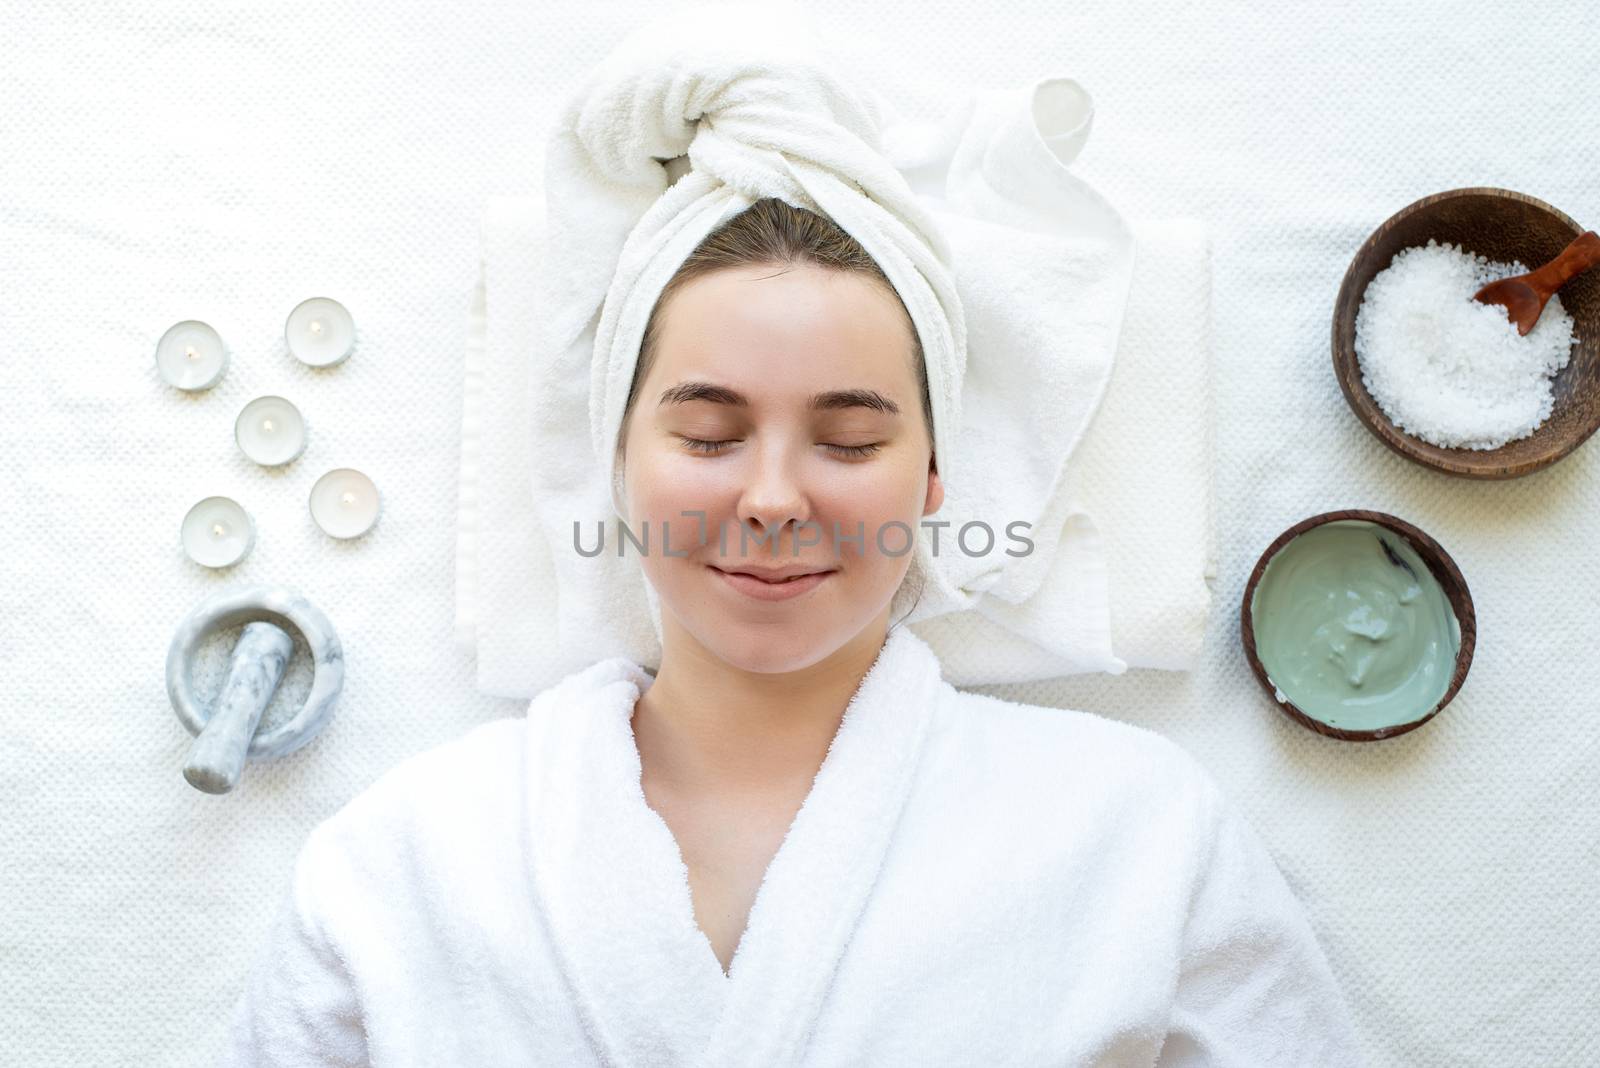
613	888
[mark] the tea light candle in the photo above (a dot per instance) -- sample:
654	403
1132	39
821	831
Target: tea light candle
320	332
191	355
344	503
270	431
217	532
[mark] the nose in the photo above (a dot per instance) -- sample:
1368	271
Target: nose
774	492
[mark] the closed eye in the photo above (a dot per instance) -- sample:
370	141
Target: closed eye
703	446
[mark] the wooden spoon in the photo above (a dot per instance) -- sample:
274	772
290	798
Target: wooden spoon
1524	295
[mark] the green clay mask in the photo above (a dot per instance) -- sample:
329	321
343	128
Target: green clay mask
1353	628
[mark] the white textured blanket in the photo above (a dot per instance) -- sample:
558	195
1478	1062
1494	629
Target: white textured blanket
180	159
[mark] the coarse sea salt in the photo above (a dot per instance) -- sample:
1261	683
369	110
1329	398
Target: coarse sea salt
1447	369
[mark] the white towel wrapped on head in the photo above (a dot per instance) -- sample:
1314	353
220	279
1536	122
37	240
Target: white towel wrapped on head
1016	275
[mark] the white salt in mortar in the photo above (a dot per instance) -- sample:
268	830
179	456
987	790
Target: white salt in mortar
1447	369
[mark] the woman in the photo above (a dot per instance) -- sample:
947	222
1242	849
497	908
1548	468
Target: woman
795	844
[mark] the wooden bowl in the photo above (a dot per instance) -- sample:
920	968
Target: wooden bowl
1504	226
1444	570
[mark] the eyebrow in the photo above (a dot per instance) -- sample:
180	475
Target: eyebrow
830	400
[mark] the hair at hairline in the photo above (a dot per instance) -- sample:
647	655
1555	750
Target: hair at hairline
773	232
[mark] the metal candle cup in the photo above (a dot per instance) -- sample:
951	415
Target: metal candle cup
217	532
320	332
344	503
191	356
270	430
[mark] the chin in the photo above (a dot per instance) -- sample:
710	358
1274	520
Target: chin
771	650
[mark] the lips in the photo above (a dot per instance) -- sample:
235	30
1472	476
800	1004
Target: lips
782	587
773	577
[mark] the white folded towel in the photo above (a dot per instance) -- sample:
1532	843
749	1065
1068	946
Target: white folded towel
1144	472
1020	354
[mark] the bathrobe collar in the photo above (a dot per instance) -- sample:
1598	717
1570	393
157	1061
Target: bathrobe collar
612	886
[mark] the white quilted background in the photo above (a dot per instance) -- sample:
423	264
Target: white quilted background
224	161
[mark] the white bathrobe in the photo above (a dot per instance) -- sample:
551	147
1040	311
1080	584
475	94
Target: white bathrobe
969	882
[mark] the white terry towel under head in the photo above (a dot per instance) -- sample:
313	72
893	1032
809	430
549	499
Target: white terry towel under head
1016	275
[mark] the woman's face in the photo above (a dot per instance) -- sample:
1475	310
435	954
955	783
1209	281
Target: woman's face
725	424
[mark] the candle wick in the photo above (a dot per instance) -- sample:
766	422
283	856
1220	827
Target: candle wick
266	424
218	529
348	498
191	353
316	327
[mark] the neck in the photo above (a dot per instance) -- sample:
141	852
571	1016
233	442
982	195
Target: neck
708	726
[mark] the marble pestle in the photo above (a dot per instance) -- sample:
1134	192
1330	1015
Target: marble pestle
256	667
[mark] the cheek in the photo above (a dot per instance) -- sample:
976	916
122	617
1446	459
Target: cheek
667	483
884	514
882	506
